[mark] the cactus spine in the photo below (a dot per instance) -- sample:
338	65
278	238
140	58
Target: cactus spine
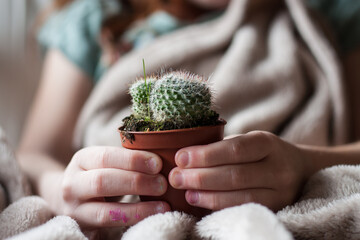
179	98
139	95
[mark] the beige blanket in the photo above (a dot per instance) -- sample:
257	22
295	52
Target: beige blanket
273	72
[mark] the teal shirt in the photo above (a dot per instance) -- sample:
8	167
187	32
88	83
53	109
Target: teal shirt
75	31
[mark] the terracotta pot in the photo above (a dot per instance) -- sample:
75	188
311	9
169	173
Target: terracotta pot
166	144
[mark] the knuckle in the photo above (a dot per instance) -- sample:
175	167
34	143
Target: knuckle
198	181
135	183
132	157
104	157
248	197
66	190
202	155
214	202
265	137
77	156
101	216
97	183
237	147
267	140
237	177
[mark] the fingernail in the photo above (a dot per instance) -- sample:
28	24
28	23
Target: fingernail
160	208
178	179
158	184
151	164
192	197
183	159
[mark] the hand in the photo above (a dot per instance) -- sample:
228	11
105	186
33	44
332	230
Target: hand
98	172
253	167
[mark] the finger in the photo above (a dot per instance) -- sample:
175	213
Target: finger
112	182
224	178
219	200
121	158
104	214
245	148
232	136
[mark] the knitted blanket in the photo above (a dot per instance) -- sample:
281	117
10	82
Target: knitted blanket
270	71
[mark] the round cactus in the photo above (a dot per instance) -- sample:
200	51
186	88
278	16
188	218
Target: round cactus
139	93
181	98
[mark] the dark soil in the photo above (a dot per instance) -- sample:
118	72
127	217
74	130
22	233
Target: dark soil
132	123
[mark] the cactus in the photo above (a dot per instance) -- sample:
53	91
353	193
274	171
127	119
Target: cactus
139	95
171	101
181	98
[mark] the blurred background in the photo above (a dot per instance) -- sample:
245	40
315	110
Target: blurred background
20	61
20	57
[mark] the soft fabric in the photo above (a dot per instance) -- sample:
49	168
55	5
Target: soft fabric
13	183
264	77
328	209
170	225
59	228
247	222
272	72
22	215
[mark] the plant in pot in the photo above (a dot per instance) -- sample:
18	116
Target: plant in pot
170	112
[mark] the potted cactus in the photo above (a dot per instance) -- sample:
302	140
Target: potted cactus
170	112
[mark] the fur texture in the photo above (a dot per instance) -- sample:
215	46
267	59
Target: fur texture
266	78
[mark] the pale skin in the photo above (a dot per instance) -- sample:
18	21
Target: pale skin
78	188
253	167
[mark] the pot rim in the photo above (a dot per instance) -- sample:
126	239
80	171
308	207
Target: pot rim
222	122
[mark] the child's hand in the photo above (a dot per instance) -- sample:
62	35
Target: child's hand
98	172
254	167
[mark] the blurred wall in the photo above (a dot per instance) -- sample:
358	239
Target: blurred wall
20	63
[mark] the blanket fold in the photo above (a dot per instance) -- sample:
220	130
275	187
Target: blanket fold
13	183
22	215
265	77
329	207
270	71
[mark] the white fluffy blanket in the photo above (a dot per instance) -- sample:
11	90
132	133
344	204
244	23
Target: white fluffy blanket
273	72
328	209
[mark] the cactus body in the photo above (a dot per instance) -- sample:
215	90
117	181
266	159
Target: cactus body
139	94
181	98
175	100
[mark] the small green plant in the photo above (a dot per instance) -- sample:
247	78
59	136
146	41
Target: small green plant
180	97
173	100
140	98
